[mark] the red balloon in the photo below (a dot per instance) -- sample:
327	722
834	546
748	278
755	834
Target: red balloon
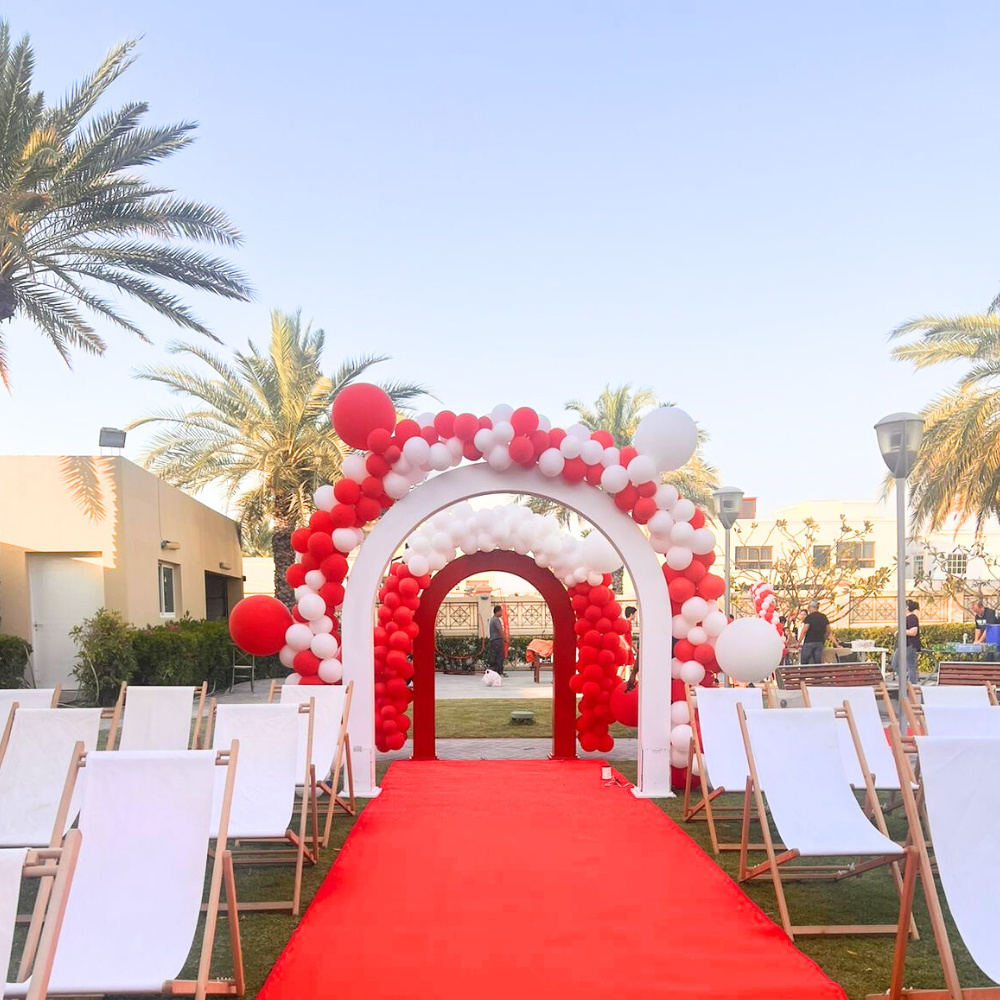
347	491
644	509
258	624
625	500
712	587
300	539
334	567
465	427
676	690
368	509
696	571
401	641
681	590
320	545
594	473
683	650
408	587
704	654
343	516
306	662
332	593
589	742
521	451
556	436
698	518
378	441
396	741
295	575
626	455
406	429
360	409
429	434
524	420
320	520
647	489
377	466
312	679
574	470
539	441
604	437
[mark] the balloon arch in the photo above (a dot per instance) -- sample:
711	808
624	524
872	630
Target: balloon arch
405	475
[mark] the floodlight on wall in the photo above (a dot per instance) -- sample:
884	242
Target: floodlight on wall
111	437
224	565
172	546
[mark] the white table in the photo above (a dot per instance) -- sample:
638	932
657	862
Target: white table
881	650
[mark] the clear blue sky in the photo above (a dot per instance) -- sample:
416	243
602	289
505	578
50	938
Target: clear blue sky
733	203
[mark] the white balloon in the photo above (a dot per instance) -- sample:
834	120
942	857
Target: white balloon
353	467
441	542
418	565
299	636
324	498
503	432
424	420
501	412
484	439
682	534
456	448
293	679
610	457
678	758
680	737
675	669
697	636
660	523
614	479
668	435
749	649
437	561
331	671
551	462
416	451
599	554
439	457
703	541
544	424
319	625
499	457
396	485
301	591
665	496
680	627
694	609
714	622
344	540
325	645
315	579
418	543
642	469
692	672
579	432
595	579
287	657
312	606
570	447
683	510
678	557
660	543
679	713
592	452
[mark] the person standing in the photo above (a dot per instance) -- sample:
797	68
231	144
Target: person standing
912	646
984	616
813	635
630	639
497	641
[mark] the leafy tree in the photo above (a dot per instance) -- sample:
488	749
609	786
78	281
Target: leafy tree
77	218
259	427
940	584
958	468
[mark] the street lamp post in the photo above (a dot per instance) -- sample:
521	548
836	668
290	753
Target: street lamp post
899	436
729	502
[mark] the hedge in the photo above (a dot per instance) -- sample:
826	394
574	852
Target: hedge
14	653
466	653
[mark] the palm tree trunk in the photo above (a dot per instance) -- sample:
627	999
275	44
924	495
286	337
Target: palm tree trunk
284	556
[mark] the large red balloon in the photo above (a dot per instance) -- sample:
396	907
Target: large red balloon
360	409
625	705
258	625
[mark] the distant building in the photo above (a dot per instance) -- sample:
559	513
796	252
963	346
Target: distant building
79	533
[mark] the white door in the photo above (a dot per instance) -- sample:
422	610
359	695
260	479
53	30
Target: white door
65	589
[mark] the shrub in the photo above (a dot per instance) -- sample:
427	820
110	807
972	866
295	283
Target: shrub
106	657
165	655
468	652
14	653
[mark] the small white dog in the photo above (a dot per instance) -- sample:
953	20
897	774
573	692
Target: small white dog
492	679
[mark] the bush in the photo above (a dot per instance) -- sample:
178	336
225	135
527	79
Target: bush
106	657
469	652
14	653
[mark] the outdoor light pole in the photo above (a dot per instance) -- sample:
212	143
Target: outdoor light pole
899	436
729	501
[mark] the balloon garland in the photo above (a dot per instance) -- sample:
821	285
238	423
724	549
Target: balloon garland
765	604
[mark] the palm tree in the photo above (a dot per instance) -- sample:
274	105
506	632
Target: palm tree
259	427
958	467
258	541
75	212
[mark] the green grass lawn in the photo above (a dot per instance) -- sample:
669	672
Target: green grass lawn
489	718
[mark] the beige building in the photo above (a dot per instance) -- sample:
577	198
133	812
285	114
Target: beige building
78	533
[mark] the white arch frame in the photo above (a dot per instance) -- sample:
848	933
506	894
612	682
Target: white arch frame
423	502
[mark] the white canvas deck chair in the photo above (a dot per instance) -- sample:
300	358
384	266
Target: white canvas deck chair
136	901
159	718
28	698
968	695
959	720
263	804
55	865
868	721
36	748
794	759
717	749
331	748
960	780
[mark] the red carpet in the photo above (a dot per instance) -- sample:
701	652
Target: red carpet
499	879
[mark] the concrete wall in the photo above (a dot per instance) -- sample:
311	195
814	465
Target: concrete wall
111	508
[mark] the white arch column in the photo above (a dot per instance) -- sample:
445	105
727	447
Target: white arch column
591	503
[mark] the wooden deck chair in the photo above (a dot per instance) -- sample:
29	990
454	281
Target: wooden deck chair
36	748
28	698
959	720
968	695
263	804
331	748
55	865
868	721
136	902
159	718
794	759
717	749
960	779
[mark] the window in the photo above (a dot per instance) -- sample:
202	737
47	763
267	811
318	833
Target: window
821	555
168	604
753	556
862	554
918	567
216	596
956	564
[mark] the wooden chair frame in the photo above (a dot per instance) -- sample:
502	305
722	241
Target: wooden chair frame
918	862
55	867
705	809
913	705
297	852
117	719
327	785
222	872
972	672
773	867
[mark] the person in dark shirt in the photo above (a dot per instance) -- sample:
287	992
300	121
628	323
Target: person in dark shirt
984	616
813	635
912	645
497	638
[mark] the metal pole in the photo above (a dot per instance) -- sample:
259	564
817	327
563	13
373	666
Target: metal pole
728	600
901	666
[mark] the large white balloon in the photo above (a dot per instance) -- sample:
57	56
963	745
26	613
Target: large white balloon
749	649
668	435
599	554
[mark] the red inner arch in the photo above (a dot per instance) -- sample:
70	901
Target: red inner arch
563	650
